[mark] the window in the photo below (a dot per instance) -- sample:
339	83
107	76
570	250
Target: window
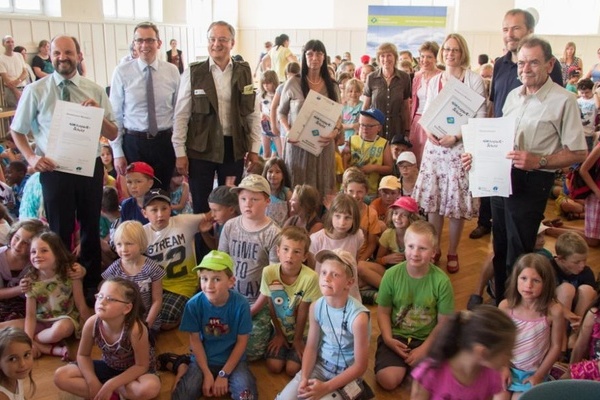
126	9
21	6
551	16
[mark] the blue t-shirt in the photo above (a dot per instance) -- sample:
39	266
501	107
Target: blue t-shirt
130	211
219	327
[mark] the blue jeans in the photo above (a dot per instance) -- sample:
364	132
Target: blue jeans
242	384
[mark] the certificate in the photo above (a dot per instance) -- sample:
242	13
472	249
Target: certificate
451	109
489	140
316	118
74	136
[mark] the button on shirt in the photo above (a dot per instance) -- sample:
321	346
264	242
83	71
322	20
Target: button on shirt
37	103
129	100
222	81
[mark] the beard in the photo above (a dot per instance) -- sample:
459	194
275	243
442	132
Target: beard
65	67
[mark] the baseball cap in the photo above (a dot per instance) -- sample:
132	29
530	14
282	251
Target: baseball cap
365	59
390	182
142	168
222	195
401	139
406	203
375	114
340	255
156	194
253	183
407	156
215	261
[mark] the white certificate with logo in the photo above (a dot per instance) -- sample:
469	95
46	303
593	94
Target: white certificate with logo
489	140
73	139
451	109
316	118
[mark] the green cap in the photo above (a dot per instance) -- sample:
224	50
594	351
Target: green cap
216	261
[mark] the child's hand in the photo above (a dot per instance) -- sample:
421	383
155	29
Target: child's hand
221	387
276	343
207	223
25	285
534	380
94	388
574	320
506	378
415	355
398	347
315	390
76	272
394	258
35	351
105	391
298	345
207	385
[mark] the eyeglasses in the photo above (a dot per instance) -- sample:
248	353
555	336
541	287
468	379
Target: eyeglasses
146	40
100	297
221	40
368	126
449	50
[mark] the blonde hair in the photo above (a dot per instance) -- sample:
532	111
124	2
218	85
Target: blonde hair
354	84
134	232
465	58
423	228
570	243
387	48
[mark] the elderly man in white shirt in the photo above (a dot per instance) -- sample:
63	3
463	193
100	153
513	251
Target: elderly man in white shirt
12	71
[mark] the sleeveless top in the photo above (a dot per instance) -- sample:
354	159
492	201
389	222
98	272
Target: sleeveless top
118	355
19	395
595	338
532	343
337	340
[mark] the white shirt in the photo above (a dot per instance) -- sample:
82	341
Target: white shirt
13	66
183	109
129	100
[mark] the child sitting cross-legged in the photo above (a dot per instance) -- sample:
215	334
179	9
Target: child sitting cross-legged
336	354
290	287
219	324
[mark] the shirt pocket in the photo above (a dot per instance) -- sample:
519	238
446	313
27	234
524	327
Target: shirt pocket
201	104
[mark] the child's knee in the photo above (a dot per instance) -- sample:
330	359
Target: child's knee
390	378
565	291
586	293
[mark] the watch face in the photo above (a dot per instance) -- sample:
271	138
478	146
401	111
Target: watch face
222	374
543	161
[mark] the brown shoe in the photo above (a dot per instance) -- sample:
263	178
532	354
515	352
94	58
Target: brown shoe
480	232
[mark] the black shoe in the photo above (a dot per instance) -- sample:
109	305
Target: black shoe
369	296
474	301
480	232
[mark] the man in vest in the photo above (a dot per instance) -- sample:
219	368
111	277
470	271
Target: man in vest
217	125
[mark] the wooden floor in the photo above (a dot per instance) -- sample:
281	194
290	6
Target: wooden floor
472	254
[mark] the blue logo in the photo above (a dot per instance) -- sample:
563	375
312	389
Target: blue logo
315	132
450	120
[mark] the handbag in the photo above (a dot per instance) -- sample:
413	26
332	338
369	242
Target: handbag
576	188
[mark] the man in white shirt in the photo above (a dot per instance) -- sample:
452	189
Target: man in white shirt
144	116
12	71
217	123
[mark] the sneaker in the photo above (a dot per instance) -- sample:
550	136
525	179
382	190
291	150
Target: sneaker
480	232
369	296
474	301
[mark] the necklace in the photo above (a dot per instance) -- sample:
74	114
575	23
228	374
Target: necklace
388	77
318	82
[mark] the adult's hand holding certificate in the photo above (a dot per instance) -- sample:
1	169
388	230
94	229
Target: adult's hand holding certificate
316	118
451	109
74	135
489	140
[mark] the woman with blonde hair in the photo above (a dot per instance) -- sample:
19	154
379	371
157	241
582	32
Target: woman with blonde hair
568	60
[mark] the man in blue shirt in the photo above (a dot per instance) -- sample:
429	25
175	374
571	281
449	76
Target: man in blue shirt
67	196
144	116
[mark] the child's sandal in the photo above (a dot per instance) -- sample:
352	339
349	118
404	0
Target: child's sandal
171	361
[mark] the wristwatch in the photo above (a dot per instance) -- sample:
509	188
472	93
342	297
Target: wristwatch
223	374
543	162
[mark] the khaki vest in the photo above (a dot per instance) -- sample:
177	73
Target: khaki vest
205	134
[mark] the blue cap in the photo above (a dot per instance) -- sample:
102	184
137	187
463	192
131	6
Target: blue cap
375	114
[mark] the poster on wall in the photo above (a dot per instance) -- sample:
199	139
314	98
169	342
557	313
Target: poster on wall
405	26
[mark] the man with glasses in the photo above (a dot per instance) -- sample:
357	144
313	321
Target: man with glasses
548	136
369	151
67	197
217	125
143	95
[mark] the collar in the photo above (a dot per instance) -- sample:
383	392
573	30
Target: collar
58	78
379	72
542	92
212	64
143	65
507	58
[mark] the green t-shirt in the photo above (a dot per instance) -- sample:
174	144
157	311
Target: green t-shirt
415	302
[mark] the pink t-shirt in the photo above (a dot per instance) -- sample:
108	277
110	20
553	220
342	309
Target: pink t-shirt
442	385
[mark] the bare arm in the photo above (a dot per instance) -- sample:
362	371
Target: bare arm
580	350
157	299
557	319
84	357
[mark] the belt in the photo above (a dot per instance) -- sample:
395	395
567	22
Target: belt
146	135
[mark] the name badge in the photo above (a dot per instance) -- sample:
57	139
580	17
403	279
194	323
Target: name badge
199	92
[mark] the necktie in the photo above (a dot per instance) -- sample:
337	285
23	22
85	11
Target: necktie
152	125
65	93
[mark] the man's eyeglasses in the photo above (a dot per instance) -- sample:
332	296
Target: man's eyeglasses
100	297
221	40
146	40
